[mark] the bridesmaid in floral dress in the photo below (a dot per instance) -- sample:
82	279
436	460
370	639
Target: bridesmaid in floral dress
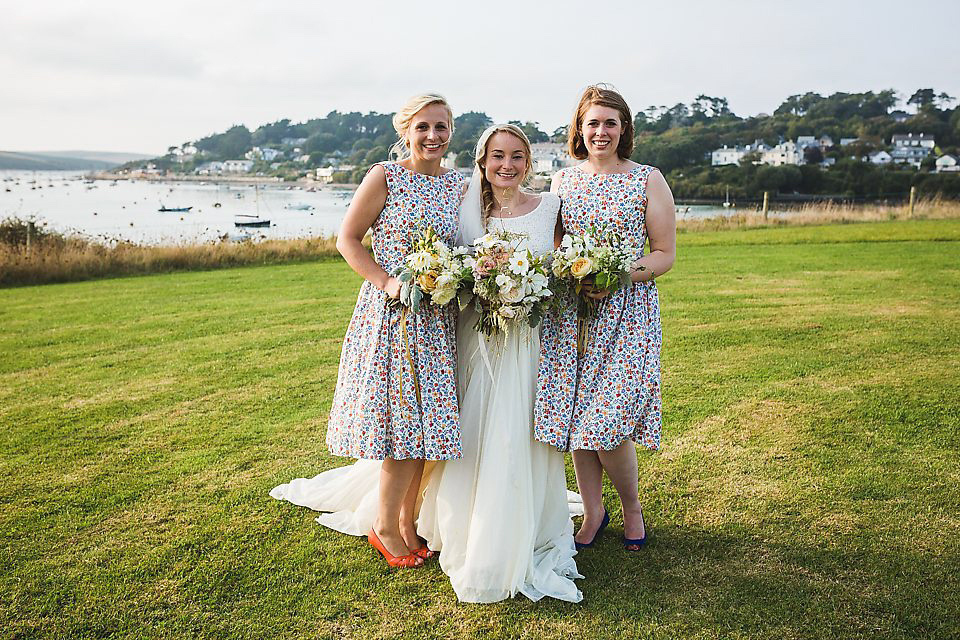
602	403
396	398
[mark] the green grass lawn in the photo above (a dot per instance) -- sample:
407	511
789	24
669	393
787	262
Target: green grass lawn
807	486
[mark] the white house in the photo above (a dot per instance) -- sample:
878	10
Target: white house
845	141
879	157
237	166
549	157
807	141
449	161
263	153
209	169
783	154
727	155
733	155
913	140
947	163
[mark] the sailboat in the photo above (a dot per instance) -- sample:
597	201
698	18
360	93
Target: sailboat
726	203
247	220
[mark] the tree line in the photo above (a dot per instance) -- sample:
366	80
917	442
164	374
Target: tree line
678	139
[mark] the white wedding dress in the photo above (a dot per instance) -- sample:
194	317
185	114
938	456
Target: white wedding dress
500	516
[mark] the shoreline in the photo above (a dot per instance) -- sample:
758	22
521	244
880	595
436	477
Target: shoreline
221	179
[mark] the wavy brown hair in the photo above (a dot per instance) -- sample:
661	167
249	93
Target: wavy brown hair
605	96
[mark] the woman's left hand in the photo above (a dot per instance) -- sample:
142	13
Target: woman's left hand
592	292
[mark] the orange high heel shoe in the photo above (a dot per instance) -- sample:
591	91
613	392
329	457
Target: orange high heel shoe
410	561
423	551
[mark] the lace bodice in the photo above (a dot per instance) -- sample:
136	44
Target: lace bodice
538	225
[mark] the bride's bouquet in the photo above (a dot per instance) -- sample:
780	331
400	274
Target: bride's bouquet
599	258
432	271
510	284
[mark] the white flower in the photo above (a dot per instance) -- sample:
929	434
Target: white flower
445	280
519	263
507	312
538	280
512	293
487	241
420	261
503	280
443	295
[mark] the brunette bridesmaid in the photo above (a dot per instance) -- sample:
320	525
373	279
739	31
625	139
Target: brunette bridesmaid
602	404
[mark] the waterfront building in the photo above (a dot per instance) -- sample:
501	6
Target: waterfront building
237	166
209	169
846	141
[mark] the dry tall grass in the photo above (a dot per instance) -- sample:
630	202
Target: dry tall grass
824	213
60	259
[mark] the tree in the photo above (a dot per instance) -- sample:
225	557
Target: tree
320	143
560	134
377	154
812	155
532	130
926	99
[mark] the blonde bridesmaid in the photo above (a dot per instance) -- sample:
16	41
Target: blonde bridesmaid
396	397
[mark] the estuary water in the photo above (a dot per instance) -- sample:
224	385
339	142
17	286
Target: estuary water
109	211
128	210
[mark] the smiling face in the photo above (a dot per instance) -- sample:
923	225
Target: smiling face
429	133
601	131
506	162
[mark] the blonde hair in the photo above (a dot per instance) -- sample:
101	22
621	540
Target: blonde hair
403	118
480	154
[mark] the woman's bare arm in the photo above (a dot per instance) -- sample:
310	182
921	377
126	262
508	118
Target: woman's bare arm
365	208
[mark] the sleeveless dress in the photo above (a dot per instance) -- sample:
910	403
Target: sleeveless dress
500	515
375	412
615	394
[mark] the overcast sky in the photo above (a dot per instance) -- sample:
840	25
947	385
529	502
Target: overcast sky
135	76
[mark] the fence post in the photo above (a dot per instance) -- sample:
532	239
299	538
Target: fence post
30	232
766	203
913	199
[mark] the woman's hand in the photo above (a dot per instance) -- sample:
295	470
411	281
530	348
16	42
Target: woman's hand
392	288
588	289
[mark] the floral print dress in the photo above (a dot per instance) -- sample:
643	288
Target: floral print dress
612	392
389	353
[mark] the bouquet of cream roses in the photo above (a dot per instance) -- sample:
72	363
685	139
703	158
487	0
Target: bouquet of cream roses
510	283
432	270
599	258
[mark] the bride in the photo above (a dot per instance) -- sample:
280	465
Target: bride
499	516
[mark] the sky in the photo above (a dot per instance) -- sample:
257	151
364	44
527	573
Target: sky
140	77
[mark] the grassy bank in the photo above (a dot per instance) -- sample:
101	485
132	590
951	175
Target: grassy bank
807	487
819	213
55	258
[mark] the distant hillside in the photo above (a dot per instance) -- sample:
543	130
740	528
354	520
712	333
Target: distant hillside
65	160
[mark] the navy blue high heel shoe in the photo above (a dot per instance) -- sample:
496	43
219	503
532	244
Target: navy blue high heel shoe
603	525
636	542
